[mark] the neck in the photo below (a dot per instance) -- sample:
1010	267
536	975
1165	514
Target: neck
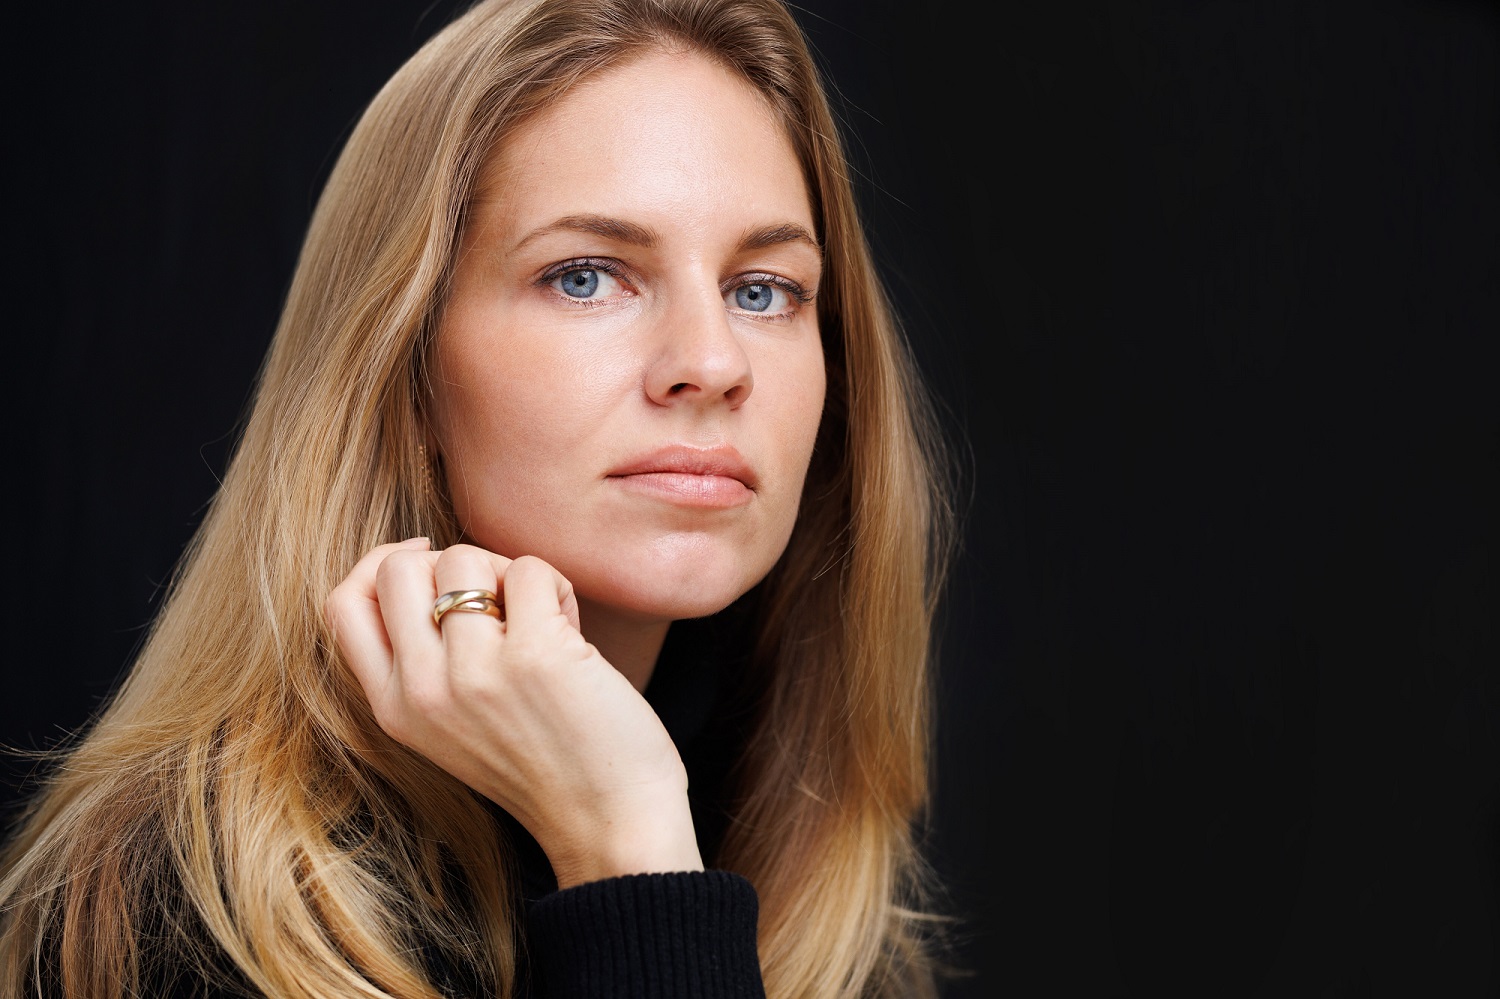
629	645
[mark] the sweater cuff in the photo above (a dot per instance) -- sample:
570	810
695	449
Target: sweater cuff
686	935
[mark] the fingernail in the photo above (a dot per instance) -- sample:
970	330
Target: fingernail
422	542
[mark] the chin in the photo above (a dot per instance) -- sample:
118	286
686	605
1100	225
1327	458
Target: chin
675	604
673	594
670	577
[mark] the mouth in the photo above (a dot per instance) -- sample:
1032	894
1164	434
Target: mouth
716	478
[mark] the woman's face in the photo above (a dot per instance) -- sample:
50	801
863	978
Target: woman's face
628	375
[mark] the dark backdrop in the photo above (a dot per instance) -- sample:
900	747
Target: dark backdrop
1210	292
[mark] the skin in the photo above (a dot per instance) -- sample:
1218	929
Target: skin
619	458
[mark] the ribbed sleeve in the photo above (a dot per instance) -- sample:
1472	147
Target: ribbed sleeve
648	936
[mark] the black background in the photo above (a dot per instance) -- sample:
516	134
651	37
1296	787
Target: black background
1210	292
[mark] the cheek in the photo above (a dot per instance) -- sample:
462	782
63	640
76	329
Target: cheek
803	408
491	428
509	406
477	404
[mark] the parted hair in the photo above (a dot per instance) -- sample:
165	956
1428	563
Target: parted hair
236	804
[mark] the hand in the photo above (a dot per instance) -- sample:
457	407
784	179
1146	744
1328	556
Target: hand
525	711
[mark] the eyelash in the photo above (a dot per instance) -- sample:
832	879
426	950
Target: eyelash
602	264
611	267
792	288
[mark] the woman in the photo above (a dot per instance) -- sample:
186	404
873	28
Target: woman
561	626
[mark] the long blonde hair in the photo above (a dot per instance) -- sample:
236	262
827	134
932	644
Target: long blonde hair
237	783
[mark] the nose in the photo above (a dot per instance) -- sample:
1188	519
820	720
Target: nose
699	358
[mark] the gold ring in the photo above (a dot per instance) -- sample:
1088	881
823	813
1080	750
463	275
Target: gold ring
474	601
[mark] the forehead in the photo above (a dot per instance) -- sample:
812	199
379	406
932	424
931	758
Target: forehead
671	133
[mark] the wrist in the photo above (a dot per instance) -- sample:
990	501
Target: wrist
654	838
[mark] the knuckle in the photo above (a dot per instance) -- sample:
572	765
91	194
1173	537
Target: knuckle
398	565
387	568
473	686
530	564
397	561
461	552
524	655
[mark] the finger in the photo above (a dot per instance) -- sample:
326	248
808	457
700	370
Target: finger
535	592
404	584
352	611
466	567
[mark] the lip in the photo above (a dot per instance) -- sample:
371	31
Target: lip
690	476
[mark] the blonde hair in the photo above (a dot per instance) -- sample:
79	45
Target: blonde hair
237	782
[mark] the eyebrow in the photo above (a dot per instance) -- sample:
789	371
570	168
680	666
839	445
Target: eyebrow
617	230
773	235
621	231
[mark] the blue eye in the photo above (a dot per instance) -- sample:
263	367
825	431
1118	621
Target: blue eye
755	297
587	281
581	283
